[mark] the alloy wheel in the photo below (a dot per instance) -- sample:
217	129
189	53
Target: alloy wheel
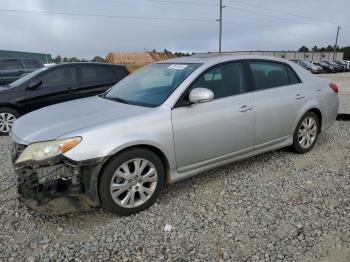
307	132
133	183
6	122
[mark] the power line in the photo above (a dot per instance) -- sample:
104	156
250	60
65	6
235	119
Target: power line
136	17
104	16
270	30
276	17
281	11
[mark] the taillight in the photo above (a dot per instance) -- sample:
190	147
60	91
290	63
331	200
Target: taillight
129	71
334	87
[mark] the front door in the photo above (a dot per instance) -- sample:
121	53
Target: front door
56	87
217	129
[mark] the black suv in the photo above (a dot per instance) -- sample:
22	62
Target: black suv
13	69
55	84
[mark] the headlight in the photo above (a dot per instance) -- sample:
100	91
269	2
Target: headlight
45	150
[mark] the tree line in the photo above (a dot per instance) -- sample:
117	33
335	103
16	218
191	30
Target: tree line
329	48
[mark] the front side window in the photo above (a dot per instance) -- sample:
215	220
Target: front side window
59	76
270	74
223	80
151	85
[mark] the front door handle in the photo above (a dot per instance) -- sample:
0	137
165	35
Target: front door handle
245	108
299	96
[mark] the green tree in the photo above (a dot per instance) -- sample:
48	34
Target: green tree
346	51
57	59
98	59
303	49
329	48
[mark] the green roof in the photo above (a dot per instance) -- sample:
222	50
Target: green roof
45	58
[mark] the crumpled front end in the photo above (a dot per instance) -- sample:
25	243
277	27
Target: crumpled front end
59	186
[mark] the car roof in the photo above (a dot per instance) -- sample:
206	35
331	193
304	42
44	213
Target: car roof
86	63
217	58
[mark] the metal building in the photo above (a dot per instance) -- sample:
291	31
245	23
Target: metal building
45	58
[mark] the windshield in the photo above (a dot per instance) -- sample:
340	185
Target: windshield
324	63
151	85
27	77
308	63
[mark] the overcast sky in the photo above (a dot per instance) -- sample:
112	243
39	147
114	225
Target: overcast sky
184	25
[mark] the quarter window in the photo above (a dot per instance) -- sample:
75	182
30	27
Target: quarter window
97	73
269	74
223	80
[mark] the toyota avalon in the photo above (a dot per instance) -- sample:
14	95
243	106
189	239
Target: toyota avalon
166	122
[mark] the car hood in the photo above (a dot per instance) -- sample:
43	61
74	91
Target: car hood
51	122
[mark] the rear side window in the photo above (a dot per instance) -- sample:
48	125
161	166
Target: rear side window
224	80
98	73
11	65
59	76
269	74
31	63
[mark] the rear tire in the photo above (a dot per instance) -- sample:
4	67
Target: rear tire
131	181
306	133
7	118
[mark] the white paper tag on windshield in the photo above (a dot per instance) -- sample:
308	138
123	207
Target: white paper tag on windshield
177	67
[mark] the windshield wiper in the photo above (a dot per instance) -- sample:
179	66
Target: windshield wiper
117	99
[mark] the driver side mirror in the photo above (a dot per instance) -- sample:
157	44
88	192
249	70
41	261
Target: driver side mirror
201	95
33	84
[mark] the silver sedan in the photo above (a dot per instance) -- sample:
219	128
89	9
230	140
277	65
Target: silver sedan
166	122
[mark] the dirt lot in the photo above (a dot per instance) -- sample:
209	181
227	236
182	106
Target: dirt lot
274	207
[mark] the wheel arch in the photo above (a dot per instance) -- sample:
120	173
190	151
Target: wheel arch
12	106
319	115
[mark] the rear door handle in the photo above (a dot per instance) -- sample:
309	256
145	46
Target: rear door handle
245	108
299	96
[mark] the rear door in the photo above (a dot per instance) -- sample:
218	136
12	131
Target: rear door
10	70
57	85
278	98
96	79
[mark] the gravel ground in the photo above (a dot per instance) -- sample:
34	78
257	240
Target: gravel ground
277	206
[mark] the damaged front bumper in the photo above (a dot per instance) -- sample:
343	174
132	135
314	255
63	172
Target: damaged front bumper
59	186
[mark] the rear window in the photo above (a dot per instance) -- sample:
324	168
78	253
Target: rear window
270	74
98	73
10	64
31	63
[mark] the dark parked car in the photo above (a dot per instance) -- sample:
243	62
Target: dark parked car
13	69
55	84
315	69
326	67
337	68
342	64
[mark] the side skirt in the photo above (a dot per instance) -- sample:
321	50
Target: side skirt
177	176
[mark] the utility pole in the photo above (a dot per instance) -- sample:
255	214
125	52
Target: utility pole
220	26
336	43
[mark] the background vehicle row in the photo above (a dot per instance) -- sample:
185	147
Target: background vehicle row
55	84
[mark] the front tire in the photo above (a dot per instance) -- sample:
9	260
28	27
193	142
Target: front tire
306	133
7	118
131	181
